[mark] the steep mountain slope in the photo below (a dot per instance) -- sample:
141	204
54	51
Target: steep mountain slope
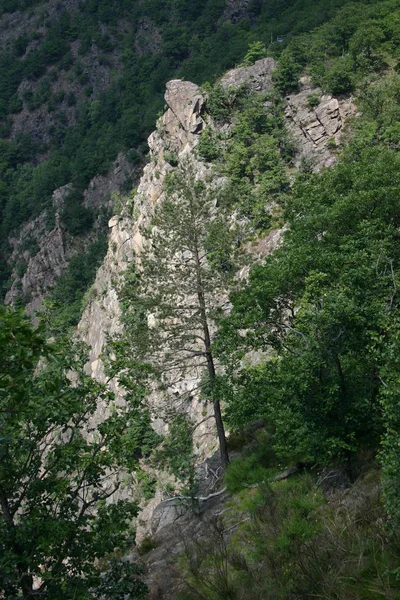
84	81
305	343
178	134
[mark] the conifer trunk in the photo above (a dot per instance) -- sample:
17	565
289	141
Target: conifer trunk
223	447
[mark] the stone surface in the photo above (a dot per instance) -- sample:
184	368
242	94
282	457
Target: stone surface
316	130
178	131
258	76
51	250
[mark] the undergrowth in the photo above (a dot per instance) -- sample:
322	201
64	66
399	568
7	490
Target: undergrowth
286	540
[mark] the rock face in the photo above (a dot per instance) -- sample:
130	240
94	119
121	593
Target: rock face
177	132
317	129
177	135
258	76
43	268
43	254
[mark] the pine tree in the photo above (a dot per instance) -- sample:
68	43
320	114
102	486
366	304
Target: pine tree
172	301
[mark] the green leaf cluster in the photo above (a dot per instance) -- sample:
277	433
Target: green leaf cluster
57	470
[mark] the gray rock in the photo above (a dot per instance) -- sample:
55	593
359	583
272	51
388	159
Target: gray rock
186	102
313	128
258	76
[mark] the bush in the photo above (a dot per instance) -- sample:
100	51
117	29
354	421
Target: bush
339	78
208	147
255	467
146	546
256	51
313	100
77	219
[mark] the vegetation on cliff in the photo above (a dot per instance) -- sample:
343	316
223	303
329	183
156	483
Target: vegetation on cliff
321	314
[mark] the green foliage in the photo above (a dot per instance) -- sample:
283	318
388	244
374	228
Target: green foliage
208	147
66	301
322	310
254	155
146	546
318	318
256	51
287	74
254	467
171	158
176	452
339	77
222	101
147	484
313	100
77	218
121	578
289	542
54	478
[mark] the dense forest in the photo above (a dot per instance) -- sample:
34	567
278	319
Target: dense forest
314	488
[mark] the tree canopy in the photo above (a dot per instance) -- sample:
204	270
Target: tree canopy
58	471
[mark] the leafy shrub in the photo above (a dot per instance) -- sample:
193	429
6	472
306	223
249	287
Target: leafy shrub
222	102
339	77
256	51
171	158
313	100
77	219
176	452
208	147
146	546
254	467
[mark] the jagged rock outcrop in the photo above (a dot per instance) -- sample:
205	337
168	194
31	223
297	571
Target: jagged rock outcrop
317	129
43	267
40	255
258	76
177	132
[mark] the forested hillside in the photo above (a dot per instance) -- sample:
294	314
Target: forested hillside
249	289
83	81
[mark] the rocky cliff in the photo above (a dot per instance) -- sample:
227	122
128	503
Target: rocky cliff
177	134
41	250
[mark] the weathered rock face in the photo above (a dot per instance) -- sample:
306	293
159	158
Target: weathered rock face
178	133
43	268
258	76
317	130
41	255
